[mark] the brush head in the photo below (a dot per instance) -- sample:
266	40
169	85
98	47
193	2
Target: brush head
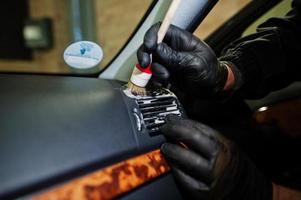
136	90
139	80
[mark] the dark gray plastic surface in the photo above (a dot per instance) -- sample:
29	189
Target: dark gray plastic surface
54	129
50	126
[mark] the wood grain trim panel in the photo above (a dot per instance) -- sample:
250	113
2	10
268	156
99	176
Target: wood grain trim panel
112	181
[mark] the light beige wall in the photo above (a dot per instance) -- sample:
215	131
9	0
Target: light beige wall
279	10
115	20
222	11
47	60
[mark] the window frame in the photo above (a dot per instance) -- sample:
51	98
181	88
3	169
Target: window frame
234	27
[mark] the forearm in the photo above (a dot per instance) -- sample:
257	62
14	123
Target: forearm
283	193
230	78
276	43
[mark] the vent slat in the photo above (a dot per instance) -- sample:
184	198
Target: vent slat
155	99
159	113
154	110
155	124
145	109
155	104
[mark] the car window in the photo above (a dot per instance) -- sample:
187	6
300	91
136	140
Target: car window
277	11
35	33
221	12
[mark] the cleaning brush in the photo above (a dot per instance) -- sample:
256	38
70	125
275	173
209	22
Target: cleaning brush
141	76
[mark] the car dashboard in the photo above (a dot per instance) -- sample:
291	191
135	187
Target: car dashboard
54	129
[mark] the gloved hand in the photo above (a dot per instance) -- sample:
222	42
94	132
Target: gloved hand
209	166
190	63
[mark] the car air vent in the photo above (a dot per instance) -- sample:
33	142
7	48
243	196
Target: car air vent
154	110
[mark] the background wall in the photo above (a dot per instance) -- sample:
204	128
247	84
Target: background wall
115	22
48	60
222	11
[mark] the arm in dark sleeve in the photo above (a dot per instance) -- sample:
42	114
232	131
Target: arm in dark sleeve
268	59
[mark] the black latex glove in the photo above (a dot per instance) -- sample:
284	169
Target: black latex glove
190	63
210	166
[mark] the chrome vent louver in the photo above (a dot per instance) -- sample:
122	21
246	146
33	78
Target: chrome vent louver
154	110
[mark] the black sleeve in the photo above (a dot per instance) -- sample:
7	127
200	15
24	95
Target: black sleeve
268	59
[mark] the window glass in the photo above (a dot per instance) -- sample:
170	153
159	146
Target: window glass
35	33
222	11
277	11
